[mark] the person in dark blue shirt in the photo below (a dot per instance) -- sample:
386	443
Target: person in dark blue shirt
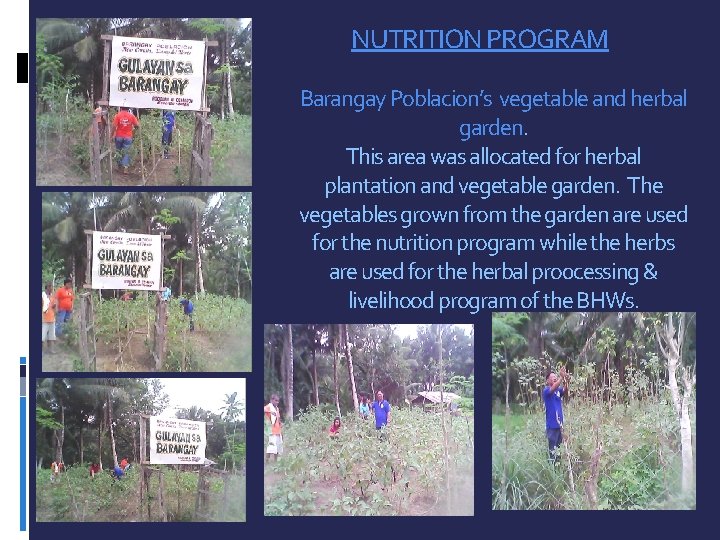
381	410
552	396
168	118
117	473
188	310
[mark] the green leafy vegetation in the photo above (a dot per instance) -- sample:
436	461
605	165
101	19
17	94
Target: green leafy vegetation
87	421
421	463
69	68
207	257
629	437
364	473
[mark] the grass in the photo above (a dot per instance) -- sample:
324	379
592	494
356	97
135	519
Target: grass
77	497
221	340
639	466
517	422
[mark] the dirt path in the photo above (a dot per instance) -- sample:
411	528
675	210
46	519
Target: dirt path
63	359
161	172
136	356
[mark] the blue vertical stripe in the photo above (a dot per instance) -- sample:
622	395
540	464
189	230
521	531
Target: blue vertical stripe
23	461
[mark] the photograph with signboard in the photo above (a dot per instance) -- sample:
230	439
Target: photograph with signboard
146	281
136	101
389	409
129	449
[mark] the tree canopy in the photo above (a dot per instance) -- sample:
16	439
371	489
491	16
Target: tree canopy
69	55
380	359
210	244
84	420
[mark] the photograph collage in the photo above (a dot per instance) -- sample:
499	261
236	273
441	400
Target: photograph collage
150	375
143	172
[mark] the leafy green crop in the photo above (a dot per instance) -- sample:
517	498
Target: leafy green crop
364	471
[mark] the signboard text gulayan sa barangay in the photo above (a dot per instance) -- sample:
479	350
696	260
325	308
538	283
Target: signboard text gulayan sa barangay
157	73
126	261
174	441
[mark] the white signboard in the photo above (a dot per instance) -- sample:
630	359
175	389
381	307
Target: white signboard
157	73
126	261
174	441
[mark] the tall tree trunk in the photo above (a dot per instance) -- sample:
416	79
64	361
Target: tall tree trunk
100	430
110	424
536	341
222	92
507	427
231	110
198	256
688	476
288	373
82	447
60	437
316	391
670	341
335	375
348	355
181	277
446	453
136	456
372	370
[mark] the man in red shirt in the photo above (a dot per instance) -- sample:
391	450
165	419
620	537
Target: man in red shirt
64	297
123	125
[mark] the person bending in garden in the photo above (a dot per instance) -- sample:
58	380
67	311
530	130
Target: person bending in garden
552	396
381	410
335	428
273	429
117	473
188	310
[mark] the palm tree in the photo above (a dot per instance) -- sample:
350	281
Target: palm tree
141	212
231	411
65	216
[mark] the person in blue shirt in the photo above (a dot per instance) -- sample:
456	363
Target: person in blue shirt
118	473
168	118
552	396
381	411
188	310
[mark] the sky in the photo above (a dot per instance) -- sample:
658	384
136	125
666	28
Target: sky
410	330
202	392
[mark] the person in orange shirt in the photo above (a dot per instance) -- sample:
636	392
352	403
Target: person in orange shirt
48	318
273	429
54	471
123	125
65	298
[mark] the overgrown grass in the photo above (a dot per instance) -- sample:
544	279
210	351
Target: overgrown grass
363	472
77	497
220	342
232	151
517	422
639	467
